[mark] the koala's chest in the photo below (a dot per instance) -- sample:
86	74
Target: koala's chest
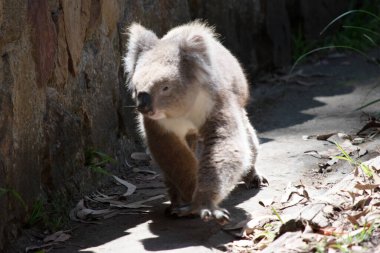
193	120
180	126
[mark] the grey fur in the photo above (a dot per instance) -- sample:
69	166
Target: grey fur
198	92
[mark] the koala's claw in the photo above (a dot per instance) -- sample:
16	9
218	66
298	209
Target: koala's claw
256	181
222	216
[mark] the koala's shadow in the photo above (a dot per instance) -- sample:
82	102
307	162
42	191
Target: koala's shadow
178	233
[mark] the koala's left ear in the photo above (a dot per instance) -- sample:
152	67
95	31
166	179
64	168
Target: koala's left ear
140	40
195	45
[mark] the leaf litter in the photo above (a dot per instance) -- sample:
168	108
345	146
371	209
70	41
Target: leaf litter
344	219
50	241
111	205
99	206
330	156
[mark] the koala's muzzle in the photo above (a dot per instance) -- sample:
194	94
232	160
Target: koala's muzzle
144	102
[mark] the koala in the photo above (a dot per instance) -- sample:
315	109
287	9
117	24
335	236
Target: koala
191	92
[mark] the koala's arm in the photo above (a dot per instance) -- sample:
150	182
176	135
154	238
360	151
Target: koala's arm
225	157
175	159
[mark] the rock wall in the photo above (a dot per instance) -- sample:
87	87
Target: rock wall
62	85
260	32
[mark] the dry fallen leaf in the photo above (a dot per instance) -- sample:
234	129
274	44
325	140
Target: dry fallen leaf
358	140
50	241
288	191
361	186
45	247
258	222
140	156
361	204
313	153
354	218
296	199
321	137
373	217
81	213
353	195
146	171
59	236
293	195
330	231
234	226
376	178
131	187
138	204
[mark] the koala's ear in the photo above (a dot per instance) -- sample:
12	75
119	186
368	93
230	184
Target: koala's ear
140	40
194	46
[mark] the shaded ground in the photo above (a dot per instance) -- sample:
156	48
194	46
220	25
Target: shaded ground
320	99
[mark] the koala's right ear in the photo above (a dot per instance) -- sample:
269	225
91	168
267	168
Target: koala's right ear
195	44
140	40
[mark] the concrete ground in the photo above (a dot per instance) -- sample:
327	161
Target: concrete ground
321	99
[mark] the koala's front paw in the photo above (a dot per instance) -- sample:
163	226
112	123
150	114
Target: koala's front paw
222	216
255	181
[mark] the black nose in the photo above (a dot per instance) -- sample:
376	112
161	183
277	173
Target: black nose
144	102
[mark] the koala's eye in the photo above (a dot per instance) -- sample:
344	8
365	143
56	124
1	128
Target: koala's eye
165	88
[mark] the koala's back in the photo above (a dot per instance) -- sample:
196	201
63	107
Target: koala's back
226	72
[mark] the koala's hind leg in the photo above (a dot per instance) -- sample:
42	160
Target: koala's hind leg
225	158
253	179
177	162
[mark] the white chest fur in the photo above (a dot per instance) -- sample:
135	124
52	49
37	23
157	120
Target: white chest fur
193	120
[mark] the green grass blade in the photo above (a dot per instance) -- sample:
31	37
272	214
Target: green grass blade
330	47
3	191
37	213
278	216
368	104
348	13
19	198
370	39
15	194
342	158
344	153
366	169
99	170
362	29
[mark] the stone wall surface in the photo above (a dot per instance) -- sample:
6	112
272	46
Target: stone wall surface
260	32
62	84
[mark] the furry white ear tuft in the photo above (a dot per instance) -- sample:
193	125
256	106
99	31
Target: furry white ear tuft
195	43
140	40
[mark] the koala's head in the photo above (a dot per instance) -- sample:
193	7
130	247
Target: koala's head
165	75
